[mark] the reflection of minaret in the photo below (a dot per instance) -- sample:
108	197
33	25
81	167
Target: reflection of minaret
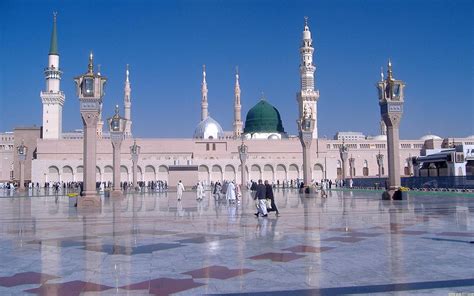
383	126
204	105
128	105
100	123
307	97
237	107
52	97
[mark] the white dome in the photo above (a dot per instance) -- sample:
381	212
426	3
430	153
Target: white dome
429	137
470	137
380	138
208	129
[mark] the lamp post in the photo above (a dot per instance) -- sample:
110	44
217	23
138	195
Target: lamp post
90	90
117	129
391	100
22	151
306	128
343	153
379	158
135	152
243	154
351	166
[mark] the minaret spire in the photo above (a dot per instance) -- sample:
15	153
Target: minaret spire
52	97
237	106
53	48
204	104
127	102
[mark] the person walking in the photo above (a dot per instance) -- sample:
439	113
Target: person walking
269	195
260	196
179	190
199	191
230	193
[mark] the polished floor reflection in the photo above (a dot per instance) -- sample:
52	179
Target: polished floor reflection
349	243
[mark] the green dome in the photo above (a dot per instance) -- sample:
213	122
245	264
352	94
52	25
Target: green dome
263	118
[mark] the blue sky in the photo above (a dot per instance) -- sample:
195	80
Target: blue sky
166	42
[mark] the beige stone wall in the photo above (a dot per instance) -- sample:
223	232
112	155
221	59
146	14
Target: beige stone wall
216	159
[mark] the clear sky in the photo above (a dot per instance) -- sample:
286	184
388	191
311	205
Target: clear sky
431	44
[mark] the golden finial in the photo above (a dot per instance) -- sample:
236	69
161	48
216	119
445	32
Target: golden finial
91	62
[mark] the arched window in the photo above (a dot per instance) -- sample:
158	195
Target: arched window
365	170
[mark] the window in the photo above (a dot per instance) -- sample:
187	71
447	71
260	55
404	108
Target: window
214	146
207	146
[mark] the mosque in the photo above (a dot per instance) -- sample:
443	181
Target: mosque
273	154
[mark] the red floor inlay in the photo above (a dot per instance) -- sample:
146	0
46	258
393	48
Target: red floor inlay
409	232
69	288
307	249
217	272
164	286
344	239
463	234
278	257
25	278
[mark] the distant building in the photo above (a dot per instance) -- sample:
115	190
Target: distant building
349	136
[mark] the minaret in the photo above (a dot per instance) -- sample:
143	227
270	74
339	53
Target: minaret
237	106
100	122
204	105
52	97
308	97
128	105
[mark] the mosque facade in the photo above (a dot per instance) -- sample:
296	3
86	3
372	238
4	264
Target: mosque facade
273	154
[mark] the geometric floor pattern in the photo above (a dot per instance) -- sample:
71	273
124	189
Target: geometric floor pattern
151	244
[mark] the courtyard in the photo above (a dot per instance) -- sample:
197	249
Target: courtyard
149	243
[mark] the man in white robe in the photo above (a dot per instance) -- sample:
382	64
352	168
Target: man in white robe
230	193
179	190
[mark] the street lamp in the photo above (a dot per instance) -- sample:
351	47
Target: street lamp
379	158
306	128
243	154
351	166
391	100
90	90
117	129
22	151
343	153
135	152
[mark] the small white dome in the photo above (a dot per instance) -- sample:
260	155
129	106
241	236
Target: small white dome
429	137
208	129
273	137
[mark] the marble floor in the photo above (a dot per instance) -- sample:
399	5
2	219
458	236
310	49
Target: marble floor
150	244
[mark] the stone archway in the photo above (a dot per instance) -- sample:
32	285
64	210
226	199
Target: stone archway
318	172
163	173
268	173
53	174
150	173
124	174
216	173
255	173
68	175
79	173
203	174
229	173
280	173
98	174
108	173
293	172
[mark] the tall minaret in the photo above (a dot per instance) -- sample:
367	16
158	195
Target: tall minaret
237	106
52	97
308	97
128	105
204	105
